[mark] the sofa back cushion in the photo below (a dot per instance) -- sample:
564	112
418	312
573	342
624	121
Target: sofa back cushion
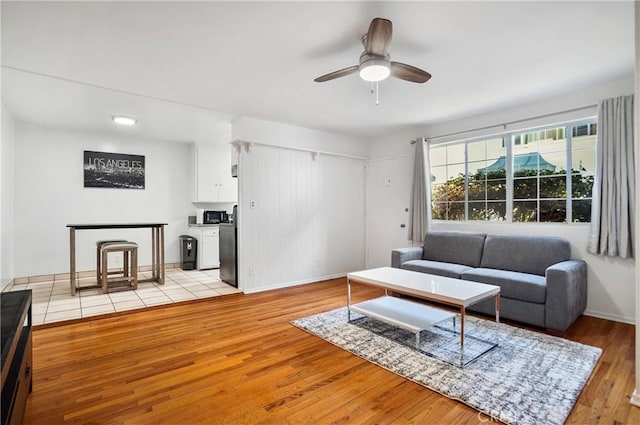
524	253
454	247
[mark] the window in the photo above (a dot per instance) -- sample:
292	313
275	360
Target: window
517	177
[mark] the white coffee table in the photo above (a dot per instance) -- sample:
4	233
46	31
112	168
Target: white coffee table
416	317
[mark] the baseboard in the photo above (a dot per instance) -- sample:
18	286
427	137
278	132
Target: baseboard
635	397
293	283
79	275
600	315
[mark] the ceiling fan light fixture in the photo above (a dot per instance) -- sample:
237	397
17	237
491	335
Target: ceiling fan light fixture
374	70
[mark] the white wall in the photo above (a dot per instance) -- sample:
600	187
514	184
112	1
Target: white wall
611	280
307	223
49	194
6	199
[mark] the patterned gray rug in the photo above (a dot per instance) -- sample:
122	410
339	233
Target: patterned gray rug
531	378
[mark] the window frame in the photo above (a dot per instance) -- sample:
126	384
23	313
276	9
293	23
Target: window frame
508	141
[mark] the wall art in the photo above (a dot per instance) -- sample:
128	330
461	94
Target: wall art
113	170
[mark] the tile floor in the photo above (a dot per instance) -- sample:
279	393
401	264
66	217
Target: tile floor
52	301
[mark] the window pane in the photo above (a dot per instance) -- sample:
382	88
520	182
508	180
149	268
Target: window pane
477	190
525	188
438	155
553	187
553	211
456	211
583	161
581	210
455	170
476	166
496	149
440	174
582	185
476	151
553	162
439	211
583	142
496	211
525	211
497	189
477	211
455	153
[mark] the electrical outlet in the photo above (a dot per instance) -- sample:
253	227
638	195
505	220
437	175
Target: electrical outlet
252	204
250	271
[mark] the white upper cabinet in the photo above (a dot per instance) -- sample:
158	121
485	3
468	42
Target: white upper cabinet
212	168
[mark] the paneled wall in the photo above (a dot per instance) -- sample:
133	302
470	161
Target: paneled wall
301	216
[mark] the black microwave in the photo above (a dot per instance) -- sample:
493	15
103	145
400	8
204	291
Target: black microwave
215	217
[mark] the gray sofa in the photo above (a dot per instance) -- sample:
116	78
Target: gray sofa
539	282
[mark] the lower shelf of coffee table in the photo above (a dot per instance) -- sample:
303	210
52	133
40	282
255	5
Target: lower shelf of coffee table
402	313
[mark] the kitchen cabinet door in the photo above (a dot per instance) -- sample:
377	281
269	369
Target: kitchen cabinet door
210	249
213	179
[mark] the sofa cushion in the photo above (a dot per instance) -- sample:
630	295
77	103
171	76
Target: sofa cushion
435	267
516	285
524	253
454	247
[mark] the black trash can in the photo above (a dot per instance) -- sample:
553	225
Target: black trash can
188	250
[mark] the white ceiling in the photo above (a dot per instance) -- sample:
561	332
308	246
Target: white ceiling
187	68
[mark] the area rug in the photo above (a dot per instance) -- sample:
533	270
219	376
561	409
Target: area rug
530	378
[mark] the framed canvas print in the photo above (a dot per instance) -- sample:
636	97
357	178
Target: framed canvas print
113	170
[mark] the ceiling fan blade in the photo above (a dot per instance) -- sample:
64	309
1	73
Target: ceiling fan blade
337	74
379	37
409	73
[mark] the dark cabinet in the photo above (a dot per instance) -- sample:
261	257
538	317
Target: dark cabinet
15	312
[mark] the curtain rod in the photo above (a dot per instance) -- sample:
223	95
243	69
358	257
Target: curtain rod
504	125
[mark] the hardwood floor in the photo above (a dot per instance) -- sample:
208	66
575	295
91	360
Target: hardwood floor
236	359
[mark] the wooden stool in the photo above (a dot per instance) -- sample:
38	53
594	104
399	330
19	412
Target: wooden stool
129	252
99	257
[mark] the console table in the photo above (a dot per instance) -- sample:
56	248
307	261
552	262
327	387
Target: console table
15	315
157	249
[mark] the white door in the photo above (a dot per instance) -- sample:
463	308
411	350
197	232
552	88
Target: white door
388	197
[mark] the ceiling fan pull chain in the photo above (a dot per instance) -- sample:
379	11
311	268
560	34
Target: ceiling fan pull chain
377	94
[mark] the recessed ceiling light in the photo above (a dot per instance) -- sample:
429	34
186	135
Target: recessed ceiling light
124	120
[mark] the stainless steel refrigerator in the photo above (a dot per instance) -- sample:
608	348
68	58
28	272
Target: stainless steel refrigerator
229	250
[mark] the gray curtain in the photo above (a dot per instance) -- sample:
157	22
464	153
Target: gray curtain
420	209
613	205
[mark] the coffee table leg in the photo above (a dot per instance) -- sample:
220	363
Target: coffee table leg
462	313
348	300
498	319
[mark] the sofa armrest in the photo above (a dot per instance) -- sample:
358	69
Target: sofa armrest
566	297
401	255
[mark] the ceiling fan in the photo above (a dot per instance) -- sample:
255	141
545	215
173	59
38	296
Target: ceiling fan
375	64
